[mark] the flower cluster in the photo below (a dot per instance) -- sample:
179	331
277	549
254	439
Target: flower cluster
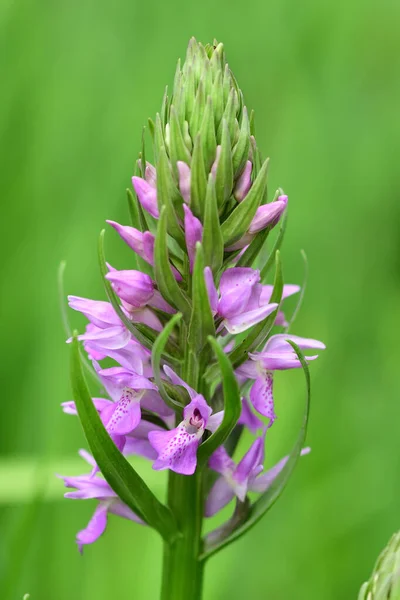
201	221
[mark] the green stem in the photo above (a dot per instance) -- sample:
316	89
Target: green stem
182	570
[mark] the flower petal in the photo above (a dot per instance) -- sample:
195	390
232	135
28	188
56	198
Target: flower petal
219	496
123	416
95	528
261	395
147	196
248	418
264	481
177	449
241	322
235	288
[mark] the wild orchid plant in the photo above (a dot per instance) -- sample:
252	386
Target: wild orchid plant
195	334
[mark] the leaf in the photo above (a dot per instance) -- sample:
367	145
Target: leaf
232	405
259	508
165	279
240	218
241	150
202	321
169	196
213	243
117	471
207	132
156	356
198	179
177	146
224	175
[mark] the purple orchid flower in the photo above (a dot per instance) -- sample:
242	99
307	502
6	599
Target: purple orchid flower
277	354
177	448
266	215
241	304
138	295
239	479
89	487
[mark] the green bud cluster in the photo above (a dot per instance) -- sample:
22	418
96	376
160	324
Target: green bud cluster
384	583
206	125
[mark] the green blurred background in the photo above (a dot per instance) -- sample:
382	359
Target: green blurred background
79	81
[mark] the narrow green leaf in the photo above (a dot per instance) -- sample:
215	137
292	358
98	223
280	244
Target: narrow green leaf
232	405
117	471
278	243
198	110
152	128
227	83
198	181
156	356
165	279
207	132
159	139
169	197
190	93
213	243
202	321
177	146
224	176
259	508
240	218
218	100
229	115
165	107
241	150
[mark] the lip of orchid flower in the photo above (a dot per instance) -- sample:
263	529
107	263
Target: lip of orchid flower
277	354
177	448
147	196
